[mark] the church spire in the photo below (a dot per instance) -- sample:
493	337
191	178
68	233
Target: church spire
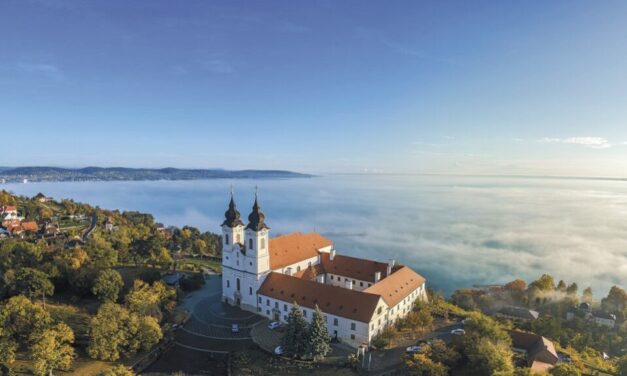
231	216
256	218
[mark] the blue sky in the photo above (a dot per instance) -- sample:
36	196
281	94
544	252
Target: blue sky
320	86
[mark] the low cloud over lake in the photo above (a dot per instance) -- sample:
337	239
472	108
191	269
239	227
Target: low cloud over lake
456	231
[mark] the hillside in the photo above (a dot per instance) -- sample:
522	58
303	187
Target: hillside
18	174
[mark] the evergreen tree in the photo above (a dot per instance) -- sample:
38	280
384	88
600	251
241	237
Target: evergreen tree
572	289
319	338
587	295
294	342
561	285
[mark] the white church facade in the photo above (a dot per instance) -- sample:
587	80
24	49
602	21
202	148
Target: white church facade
359	297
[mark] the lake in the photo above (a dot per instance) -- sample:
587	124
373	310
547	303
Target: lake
455	231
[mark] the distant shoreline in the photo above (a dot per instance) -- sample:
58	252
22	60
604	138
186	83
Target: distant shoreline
60	174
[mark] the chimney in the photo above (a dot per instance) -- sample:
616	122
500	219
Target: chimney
391	263
349	284
288	271
332	255
377	277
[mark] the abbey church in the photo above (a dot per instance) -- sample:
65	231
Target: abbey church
266	275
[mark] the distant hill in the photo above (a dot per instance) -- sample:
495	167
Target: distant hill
34	174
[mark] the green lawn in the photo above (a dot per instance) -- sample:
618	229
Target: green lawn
213	265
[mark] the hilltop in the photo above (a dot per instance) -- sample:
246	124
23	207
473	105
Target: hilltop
53	174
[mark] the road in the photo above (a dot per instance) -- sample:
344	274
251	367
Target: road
392	358
92	226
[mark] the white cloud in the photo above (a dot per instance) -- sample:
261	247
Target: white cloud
591	142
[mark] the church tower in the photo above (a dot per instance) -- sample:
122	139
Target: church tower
232	239
256	241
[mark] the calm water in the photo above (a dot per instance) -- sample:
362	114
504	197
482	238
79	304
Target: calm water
456	231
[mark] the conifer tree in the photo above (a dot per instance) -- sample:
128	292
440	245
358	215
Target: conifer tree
318	337
294	342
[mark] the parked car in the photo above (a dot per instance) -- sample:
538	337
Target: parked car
235	328
278	350
274	325
458	332
413	349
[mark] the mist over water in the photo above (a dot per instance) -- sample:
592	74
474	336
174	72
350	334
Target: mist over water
455	231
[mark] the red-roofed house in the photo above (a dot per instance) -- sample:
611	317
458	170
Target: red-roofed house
359	297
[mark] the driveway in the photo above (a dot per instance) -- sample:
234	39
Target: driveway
208	331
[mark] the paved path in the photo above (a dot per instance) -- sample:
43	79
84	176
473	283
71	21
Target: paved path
207	335
392	358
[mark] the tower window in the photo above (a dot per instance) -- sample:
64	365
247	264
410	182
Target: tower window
250	244
263	243
250	291
226	239
238	238
228	283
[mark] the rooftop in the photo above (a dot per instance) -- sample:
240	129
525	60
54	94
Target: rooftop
289	249
395	287
352	267
334	300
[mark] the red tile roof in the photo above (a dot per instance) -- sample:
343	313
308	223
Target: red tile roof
30	226
289	249
397	285
334	300
352	267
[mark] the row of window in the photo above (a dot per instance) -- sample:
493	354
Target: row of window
339	279
285	308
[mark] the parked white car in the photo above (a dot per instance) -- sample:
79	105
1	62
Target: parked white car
413	349
278	350
274	325
458	332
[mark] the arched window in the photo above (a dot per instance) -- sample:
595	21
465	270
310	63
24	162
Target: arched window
228	283
263	243
238	284
226	238
250	291
250	244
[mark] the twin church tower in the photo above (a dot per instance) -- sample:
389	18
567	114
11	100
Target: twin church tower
245	256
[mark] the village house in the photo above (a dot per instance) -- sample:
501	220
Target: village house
358	297
40	197
8	213
539	352
584	310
